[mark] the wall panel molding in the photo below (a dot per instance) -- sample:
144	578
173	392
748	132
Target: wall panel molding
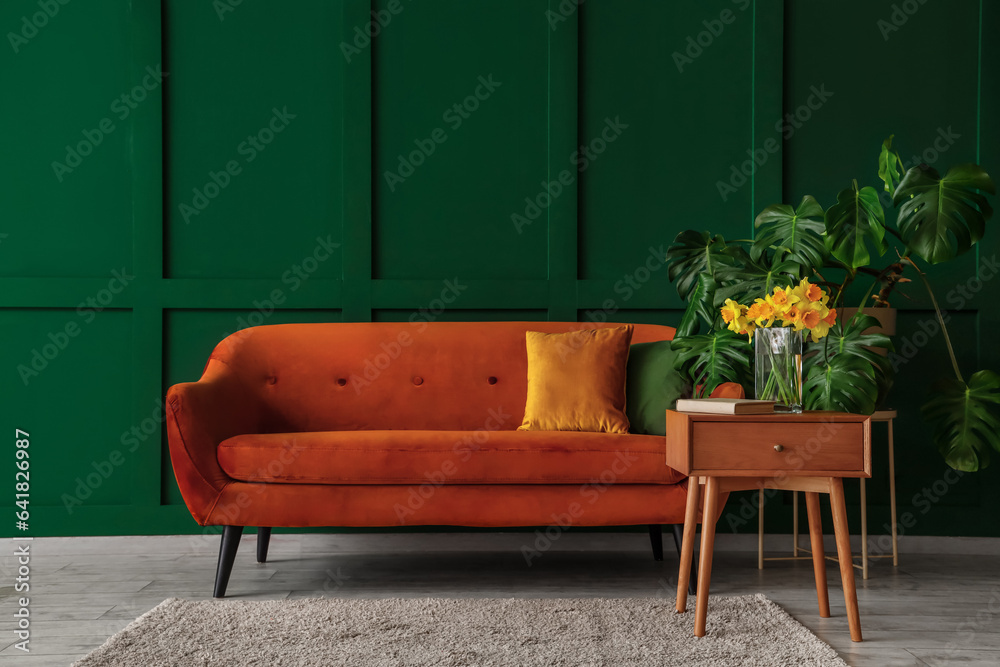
589	248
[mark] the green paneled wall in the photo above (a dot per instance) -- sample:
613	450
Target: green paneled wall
460	129
926	76
251	117
629	192
286	167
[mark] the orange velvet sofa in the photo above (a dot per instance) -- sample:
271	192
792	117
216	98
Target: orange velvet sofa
398	424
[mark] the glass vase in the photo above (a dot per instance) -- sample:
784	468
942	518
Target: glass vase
778	367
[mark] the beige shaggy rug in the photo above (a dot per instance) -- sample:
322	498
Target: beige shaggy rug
745	631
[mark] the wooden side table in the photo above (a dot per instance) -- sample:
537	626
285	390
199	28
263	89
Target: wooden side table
886	416
810	452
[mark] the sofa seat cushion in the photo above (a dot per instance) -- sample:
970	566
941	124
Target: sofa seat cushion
447	457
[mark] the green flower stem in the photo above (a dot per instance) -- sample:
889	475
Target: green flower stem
781	383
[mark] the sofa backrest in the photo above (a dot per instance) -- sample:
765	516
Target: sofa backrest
428	376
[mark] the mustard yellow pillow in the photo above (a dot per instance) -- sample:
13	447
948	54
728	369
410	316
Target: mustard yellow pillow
576	380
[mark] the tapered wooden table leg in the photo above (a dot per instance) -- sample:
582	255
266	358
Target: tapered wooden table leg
795	524
760	529
819	558
864	530
844	555
707	547
892	499
687	542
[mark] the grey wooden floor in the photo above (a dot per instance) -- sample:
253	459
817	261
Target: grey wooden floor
932	610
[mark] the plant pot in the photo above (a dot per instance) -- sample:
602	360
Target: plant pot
778	367
886	318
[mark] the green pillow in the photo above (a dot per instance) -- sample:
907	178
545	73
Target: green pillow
652	387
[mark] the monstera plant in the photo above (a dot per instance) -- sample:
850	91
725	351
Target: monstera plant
937	219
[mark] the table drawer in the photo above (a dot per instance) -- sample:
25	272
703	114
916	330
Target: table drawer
768	446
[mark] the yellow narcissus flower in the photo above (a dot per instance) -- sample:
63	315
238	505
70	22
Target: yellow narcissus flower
813	311
780	301
802	307
732	311
791	317
735	315
810	318
813	292
780	297
822	328
761	313
807	292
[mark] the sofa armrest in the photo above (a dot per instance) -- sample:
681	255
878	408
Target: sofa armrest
729	390
200	415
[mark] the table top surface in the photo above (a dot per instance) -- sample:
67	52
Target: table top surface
805	416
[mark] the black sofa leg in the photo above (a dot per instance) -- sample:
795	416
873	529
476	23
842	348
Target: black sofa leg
227	554
263	540
656	540
678	541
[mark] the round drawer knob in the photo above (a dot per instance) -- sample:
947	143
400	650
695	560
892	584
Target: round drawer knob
779	448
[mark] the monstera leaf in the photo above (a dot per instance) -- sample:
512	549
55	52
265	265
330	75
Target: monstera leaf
701	307
941	218
796	234
693	253
856	217
755	278
889	166
713	358
845	383
963	420
849	338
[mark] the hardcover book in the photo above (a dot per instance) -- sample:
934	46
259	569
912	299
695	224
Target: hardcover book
725	406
